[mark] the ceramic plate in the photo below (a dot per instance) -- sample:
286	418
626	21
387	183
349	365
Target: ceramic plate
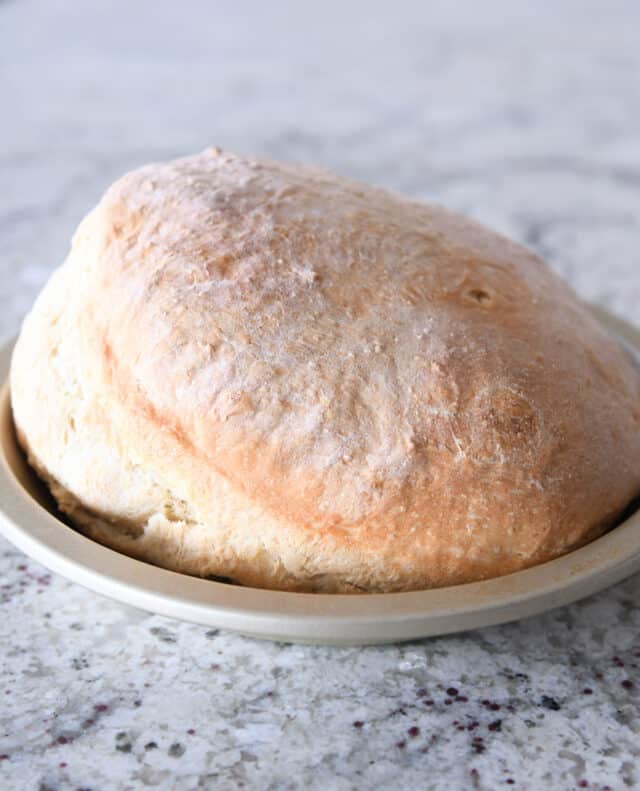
29	520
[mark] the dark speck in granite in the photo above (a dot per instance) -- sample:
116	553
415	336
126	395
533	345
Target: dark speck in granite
163	634
123	742
478	745
550	703
176	750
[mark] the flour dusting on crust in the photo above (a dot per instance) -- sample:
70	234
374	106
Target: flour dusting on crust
270	373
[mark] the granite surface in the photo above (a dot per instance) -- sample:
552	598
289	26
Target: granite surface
524	115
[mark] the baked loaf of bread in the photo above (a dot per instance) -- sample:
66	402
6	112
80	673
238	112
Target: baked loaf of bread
285	378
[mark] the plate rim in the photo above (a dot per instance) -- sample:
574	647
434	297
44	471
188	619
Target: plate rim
339	619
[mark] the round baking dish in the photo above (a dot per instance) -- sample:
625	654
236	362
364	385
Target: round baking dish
29	520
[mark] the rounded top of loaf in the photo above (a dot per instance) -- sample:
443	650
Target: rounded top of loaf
380	374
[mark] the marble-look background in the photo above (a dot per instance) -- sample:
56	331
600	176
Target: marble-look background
525	115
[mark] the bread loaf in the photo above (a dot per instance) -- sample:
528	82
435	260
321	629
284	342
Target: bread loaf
272	374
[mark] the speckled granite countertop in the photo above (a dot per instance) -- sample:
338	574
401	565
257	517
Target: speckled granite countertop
524	115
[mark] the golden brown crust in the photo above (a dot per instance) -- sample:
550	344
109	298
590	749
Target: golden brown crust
305	383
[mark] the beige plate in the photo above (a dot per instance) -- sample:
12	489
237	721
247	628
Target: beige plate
28	520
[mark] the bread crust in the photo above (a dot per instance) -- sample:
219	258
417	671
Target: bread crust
270	373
